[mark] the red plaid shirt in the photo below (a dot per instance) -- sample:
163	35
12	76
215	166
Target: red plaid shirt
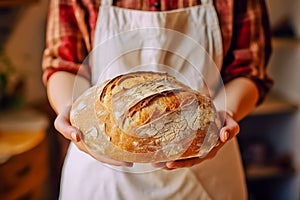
244	27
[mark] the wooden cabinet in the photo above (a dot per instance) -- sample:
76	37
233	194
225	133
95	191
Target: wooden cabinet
24	175
24	160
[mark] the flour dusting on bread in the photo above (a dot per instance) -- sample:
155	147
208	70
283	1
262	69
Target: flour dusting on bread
146	117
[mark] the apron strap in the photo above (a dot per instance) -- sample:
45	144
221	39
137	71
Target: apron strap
206	1
106	2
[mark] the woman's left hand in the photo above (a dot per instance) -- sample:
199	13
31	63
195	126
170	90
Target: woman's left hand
228	131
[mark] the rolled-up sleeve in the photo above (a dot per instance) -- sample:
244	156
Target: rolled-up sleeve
66	48
250	48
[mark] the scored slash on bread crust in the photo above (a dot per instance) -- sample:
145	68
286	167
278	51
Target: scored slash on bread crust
146	117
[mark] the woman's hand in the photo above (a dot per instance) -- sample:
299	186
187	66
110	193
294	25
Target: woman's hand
228	131
63	125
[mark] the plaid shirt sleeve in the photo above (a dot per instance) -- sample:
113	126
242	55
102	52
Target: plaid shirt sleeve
67	40
244	27
250	46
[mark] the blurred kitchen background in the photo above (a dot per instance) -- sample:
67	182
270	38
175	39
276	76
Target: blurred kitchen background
31	151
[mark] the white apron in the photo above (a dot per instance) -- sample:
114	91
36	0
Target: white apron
187	44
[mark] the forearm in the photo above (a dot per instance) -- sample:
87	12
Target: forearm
241	96
61	90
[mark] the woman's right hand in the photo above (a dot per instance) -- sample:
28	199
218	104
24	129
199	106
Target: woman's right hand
63	125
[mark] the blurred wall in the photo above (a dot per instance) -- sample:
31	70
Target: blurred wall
25	45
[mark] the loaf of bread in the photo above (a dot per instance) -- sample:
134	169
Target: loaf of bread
146	117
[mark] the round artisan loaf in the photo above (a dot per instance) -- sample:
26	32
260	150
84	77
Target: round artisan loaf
146	117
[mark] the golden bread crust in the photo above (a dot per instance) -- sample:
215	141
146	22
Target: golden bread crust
146	117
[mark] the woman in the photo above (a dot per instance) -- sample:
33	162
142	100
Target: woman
236	36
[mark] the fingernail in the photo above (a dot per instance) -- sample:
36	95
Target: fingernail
170	165
128	164
75	136
226	135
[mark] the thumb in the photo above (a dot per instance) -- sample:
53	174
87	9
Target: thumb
230	129
63	125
